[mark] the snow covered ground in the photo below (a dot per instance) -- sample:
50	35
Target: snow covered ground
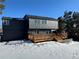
45	50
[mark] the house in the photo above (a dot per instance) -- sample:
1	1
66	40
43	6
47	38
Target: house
40	24
34	28
13	29
40	27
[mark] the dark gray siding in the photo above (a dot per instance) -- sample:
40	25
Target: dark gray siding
15	30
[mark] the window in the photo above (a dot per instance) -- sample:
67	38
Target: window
37	21
44	21
37	32
5	22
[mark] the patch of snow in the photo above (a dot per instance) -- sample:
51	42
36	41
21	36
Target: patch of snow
44	50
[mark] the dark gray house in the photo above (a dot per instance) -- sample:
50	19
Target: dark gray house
14	29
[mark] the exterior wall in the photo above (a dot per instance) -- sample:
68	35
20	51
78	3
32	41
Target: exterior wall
13	30
42	24
39	31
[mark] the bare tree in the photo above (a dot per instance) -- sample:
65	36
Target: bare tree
2	6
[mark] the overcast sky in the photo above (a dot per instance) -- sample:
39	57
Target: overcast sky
50	8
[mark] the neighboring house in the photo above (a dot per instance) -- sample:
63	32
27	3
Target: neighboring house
40	24
13	29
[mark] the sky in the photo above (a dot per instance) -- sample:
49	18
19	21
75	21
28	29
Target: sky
49	8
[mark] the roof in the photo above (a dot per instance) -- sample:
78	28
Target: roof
40	17
6	18
10	18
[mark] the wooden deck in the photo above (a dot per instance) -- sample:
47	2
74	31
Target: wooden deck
47	37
